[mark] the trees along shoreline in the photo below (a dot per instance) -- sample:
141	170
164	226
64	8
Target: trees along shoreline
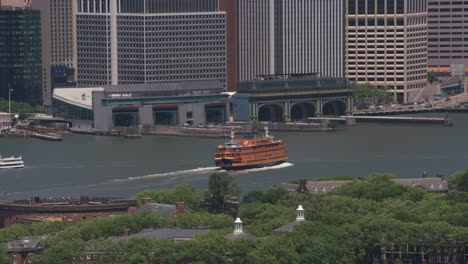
353	224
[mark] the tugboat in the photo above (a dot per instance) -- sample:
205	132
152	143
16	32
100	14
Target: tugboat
11	162
250	151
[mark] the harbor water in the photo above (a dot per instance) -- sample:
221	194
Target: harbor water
119	167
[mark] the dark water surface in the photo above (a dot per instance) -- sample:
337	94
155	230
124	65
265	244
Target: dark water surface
112	166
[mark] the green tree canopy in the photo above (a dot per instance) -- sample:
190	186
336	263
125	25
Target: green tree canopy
459	181
431	77
181	193
223	193
362	93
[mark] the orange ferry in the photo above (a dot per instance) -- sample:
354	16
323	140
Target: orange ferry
250	151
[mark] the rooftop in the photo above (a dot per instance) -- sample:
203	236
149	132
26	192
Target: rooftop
152	87
81	97
436	184
25	244
290	82
288	227
67	204
165	233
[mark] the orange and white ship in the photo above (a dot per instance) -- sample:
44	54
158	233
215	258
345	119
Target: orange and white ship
250	151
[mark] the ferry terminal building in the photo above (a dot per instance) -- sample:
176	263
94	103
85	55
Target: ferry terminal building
131	105
269	98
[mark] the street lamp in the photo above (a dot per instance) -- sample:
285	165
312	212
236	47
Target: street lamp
10	90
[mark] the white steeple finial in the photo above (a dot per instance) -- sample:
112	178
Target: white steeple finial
300	213
238	226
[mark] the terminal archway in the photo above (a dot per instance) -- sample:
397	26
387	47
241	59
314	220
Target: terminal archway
270	112
334	108
166	115
126	117
215	114
302	111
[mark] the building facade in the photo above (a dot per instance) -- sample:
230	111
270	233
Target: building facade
20	54
288	36
70	210
448	35
230	7
386	44
58	27
150	41
143	105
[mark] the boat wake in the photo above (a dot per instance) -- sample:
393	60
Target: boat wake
173	173
275	167
203	170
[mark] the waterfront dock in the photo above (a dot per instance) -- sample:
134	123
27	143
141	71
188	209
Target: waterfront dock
47	136
409	110
220	131
31	134
352	120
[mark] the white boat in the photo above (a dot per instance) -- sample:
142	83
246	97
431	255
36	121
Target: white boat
11	162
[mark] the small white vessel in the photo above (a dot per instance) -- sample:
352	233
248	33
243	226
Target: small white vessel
11	162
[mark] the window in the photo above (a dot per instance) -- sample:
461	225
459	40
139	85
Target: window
371	7
352	7
361	7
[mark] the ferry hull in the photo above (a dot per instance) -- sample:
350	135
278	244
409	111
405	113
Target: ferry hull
253	166
12	166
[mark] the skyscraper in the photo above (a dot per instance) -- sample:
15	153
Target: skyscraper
448	35
386	44
230	7
149	41
20	54
58	27
290	36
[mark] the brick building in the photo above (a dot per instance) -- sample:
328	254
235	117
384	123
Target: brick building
21	251
167	210
67	209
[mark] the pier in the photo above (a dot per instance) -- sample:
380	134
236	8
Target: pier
47	136
352	120
409	110
20	133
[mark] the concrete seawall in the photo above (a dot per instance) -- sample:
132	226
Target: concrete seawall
352	120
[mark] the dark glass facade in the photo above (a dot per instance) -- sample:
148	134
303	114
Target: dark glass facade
67	111
20	55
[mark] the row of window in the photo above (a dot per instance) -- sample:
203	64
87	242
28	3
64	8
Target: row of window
387	68
164	21
448	57
388	30
380	7
380	79
435	3
450	45
376	58
441	10
369	46
446	39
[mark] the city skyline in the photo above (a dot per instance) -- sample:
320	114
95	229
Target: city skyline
390	44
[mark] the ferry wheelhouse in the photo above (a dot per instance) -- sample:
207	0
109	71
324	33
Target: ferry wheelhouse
250	151
11	162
